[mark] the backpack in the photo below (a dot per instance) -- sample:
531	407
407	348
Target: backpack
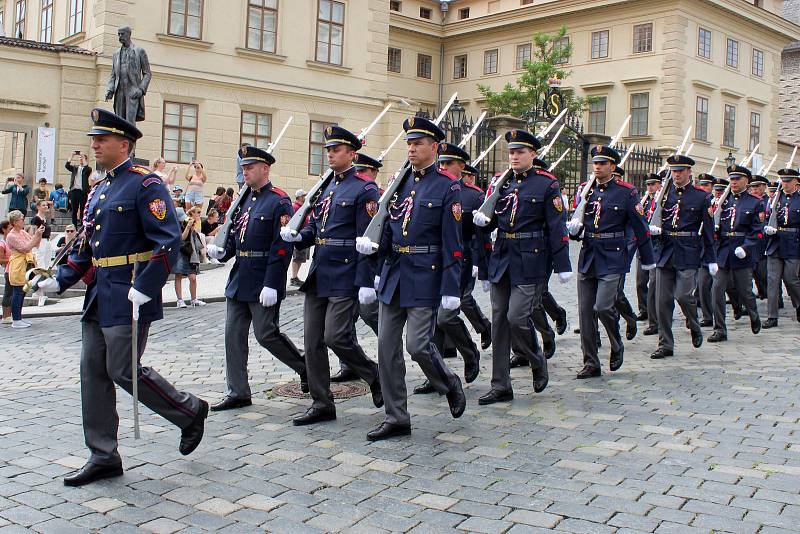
59	198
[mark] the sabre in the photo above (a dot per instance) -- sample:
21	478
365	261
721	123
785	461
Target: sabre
222	235
37	274
559	160
135	363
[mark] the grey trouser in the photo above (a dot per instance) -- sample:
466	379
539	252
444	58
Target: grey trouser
743	284
368	314
419	323
105	361
328	323
785	271
671	285
623	305
596	298
472	311
449	324
239	315
704	283
512	324
642	279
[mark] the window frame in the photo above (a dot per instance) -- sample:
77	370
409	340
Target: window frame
256	135
20	23
186	16
599	46
594	113
427	10
559	44
486	56
399	58
701	31
76	15
463	13
430	66
634	121
725	124
46	21
698	112
181	128
757	66
648	39
263	9
311	143
521	65
456	60
755	130
331	24
728	56
398	3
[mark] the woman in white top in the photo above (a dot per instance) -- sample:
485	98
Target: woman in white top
196	178
159	166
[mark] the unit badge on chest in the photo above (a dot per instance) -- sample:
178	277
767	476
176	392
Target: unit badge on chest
285	219
640	209
559	205
158	208
372	207
456	211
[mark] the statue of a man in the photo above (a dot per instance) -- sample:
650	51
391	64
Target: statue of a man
130	76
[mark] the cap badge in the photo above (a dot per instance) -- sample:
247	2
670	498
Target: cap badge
95	115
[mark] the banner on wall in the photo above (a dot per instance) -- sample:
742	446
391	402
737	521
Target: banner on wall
46	154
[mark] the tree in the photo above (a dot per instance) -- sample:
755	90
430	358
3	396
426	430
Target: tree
548	53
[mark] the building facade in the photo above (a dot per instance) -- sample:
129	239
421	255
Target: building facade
233	71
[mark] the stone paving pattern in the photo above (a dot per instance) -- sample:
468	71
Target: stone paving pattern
703	442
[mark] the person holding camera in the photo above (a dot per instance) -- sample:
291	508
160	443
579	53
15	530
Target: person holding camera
78	185
19	192
196	178
192	251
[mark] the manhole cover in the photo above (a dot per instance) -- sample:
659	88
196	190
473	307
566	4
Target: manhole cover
346	390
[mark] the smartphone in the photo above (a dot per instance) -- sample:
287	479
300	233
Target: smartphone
77	153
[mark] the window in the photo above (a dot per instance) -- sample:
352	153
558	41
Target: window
561	49
460	66
330	32
490	61
463	13
704	43
180	132
642	38
75	23
424	63
2	22
262	25
20	7
729	126
425	13
256	129
393	64
701	119
597	115
600	44
186	18
46	22
640	104
523	55
316	147
758	63
755	129
526	2
732	54
395	5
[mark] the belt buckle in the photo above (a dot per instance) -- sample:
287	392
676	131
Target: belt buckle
321	241
244	253
404	250
510	236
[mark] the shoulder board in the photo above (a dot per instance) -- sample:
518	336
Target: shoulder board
475	187
447	174
543	172
138	169
455	186
150	180
363	177
699	189
280	192
623	183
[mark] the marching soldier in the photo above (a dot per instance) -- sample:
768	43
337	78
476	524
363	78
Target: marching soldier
421	244
339	277
784	247
613	206
758	188
257	282
740	232
686	210
452	161
130	241
645	302
704	279
622	305
530	235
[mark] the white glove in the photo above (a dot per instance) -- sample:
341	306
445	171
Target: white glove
655	230
364	245
377	282
649	267
479	219
268	297
474	271
288	236
49	285
215	252
137	298
574	227
739	252
450	303
770	230
713	269
367	295
565	277
486	286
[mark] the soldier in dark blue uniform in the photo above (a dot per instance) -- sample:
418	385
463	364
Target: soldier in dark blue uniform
704	279
257	282
646	281
686	209
339	277
130	240
783	250
738	238
421	244
622	305
531	242
758	188
613	206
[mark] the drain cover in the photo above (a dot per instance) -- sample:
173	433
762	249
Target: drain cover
346	390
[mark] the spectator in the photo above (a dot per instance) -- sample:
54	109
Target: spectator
58	198
212	202
21	243
192	250
78	184
4	205
159	166
224	203
196	177
19	195
210	226
177	193
239	172
41	193
43	252
69	233
95	177
5	255
299	257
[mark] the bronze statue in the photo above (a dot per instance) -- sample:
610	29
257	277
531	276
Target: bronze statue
130	76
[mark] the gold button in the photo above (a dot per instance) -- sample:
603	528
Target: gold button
262	218
511	224
516	190
533	200
405	233
416	179
433	267
519	181
97	227
536	250
347	260
254	199
413	193
98	210
322	231
102	197
119	208
344	203
97	243
430	204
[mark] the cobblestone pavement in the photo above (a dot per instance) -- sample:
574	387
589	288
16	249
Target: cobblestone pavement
707	441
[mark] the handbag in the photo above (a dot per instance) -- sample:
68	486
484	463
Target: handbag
18	266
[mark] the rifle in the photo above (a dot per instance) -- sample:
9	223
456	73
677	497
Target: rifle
485	152
655	217
726	193
388	148
375	228
222	236
299	217
580	209
713	166
487	208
